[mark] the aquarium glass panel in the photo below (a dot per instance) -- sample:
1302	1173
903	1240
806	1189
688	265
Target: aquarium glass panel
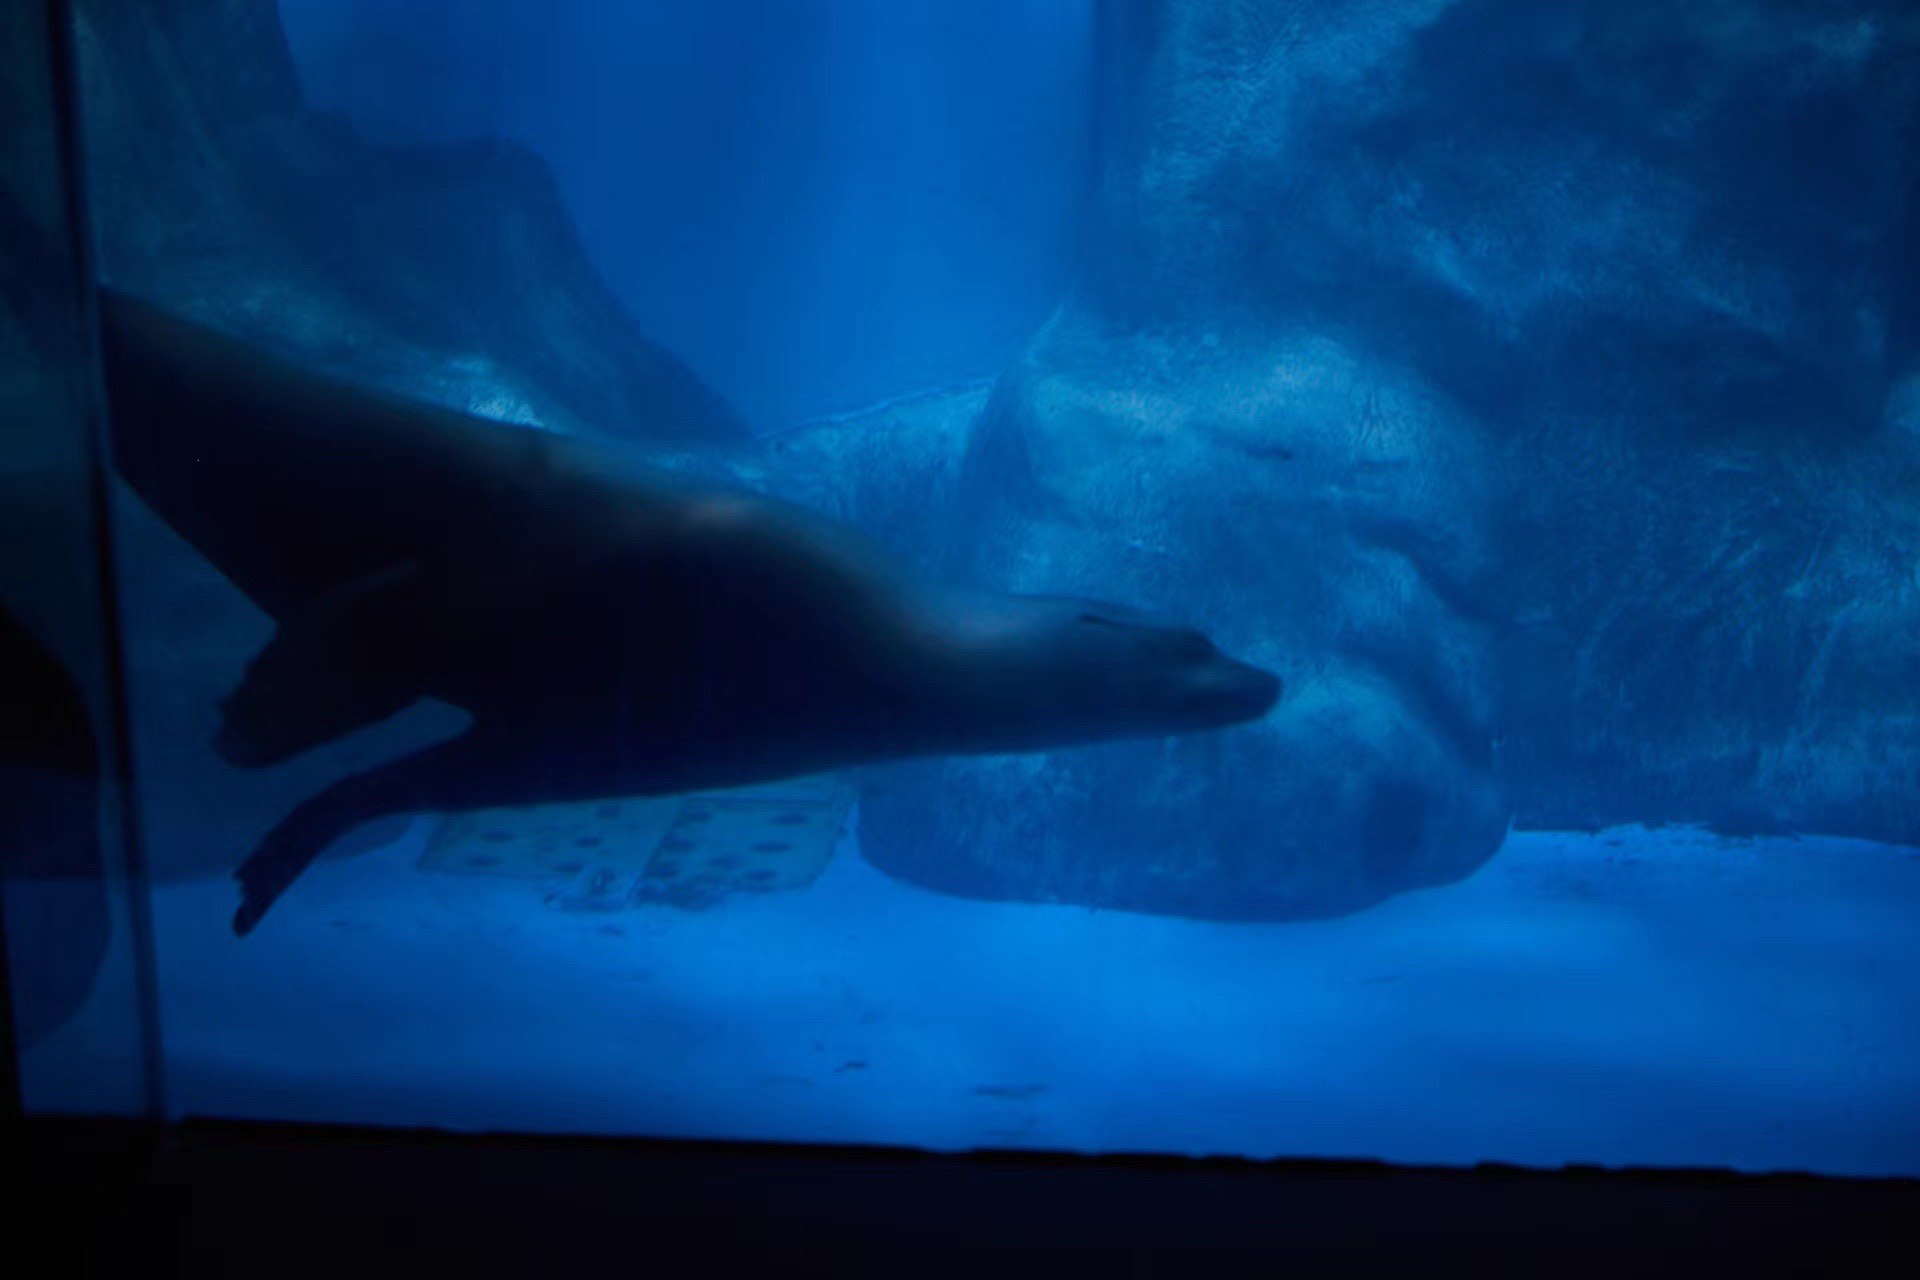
1256	577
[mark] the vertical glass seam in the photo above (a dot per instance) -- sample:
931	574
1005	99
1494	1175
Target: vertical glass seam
118	747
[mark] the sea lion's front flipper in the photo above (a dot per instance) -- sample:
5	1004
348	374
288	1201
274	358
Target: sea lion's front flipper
324	673
413	782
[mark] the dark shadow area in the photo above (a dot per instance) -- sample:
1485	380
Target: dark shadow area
215	1199
57	926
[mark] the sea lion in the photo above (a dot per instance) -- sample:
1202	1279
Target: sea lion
613	629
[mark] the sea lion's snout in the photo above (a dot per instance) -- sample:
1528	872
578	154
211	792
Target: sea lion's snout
1091	671
1230	692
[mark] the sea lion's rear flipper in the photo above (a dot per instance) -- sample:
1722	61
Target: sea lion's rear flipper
418	781
323	675
289	702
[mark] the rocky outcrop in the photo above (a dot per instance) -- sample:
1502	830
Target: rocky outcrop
1532	385
451	272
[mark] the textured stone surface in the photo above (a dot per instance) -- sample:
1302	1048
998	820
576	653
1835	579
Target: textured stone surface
452	272
1533	386
1360	588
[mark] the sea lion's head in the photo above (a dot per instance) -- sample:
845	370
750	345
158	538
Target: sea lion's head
1036	672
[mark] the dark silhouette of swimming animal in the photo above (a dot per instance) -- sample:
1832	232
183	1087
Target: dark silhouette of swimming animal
612	629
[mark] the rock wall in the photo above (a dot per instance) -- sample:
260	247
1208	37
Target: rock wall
1534	386
452	272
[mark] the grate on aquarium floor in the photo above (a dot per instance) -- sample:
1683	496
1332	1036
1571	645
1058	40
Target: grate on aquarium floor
687	851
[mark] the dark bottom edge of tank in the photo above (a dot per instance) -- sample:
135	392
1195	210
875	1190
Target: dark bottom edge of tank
212	1199
1651	998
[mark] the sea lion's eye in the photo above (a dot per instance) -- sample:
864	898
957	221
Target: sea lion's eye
1099	621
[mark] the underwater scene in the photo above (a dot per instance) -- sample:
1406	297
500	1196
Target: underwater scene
1268	578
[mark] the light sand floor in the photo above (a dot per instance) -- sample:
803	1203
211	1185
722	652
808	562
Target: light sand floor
1632	997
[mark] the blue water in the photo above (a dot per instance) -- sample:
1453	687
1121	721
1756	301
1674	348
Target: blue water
824	207
1633	996
779	192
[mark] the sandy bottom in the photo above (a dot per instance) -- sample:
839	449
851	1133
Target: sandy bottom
1628	998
